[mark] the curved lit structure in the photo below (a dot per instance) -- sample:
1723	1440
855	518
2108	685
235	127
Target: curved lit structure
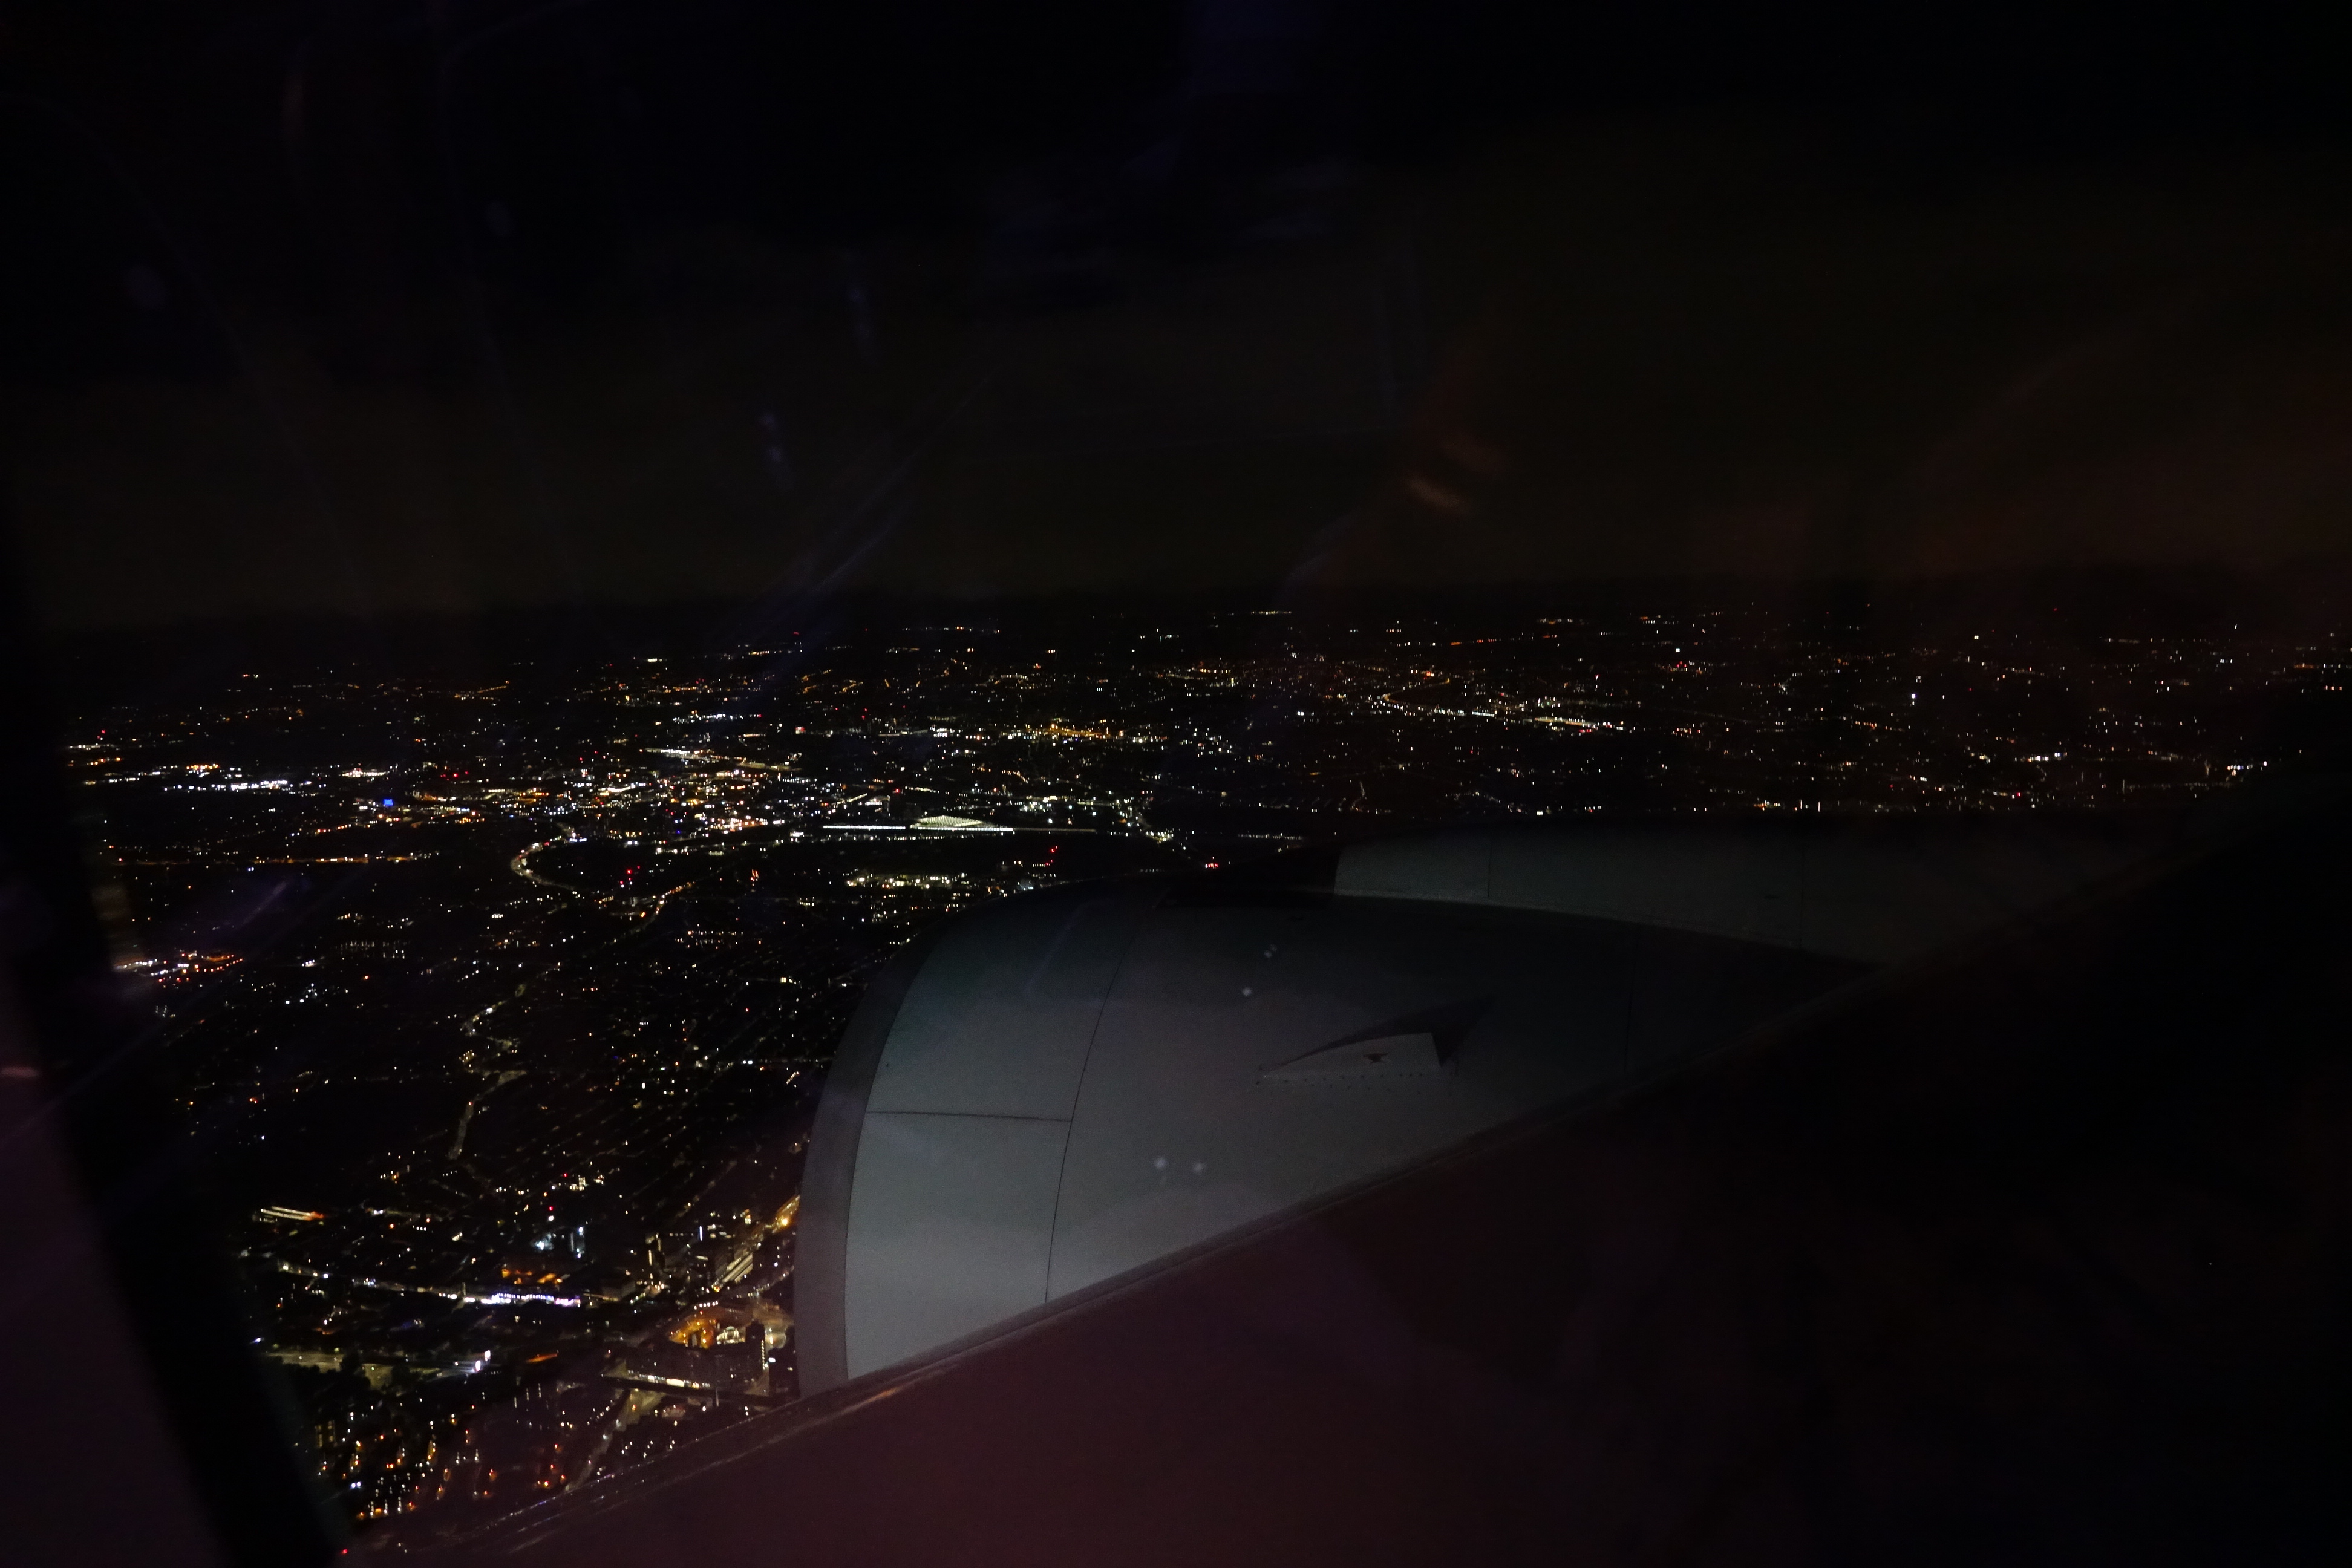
1053	1091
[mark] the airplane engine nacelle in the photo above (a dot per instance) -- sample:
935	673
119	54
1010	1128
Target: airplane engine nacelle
1052	1092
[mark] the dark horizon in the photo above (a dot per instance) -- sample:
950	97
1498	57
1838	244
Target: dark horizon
398	310
2308	596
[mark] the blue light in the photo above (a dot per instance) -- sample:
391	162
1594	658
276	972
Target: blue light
387	800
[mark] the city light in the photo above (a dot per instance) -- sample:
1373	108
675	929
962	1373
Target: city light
546	1160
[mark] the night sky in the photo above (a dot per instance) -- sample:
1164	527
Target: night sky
376	307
